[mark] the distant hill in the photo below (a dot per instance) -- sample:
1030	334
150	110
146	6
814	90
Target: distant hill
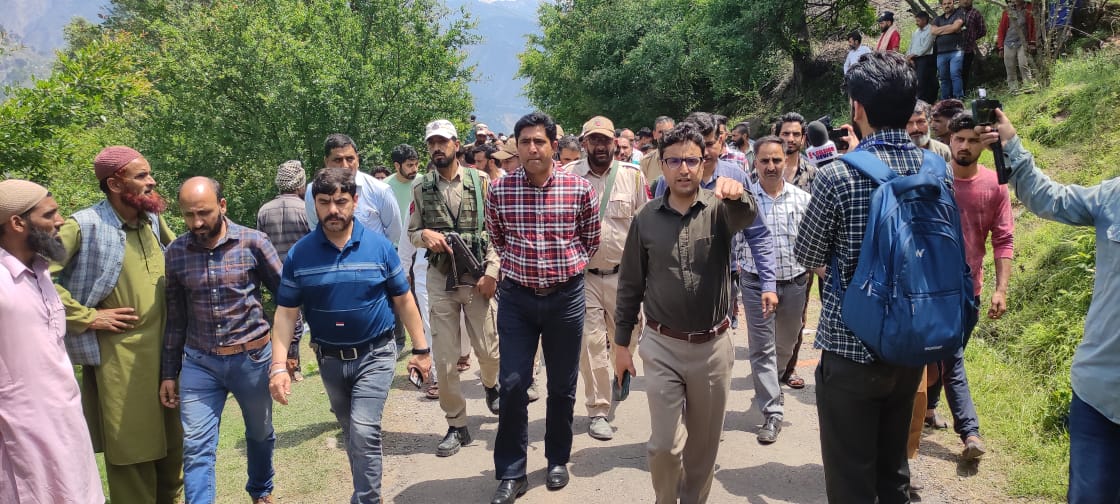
502	26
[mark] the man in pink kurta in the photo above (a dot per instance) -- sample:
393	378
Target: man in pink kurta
45	450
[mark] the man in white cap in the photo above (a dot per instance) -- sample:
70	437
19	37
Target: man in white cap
111	282
284	220
449	201
44	456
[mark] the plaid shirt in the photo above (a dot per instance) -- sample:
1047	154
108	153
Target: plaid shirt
545	235
834	225
974	29
284	220
783	216
214	295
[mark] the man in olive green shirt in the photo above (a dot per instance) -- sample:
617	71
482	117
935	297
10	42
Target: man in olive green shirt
677	261
112	285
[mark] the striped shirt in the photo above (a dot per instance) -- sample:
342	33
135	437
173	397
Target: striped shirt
782	216
833	228
545	235
214	295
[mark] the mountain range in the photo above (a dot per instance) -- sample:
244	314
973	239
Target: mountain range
34	29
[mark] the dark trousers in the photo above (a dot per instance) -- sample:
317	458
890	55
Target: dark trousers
555	322
966	70
1094	454
864	412
952	375
926	69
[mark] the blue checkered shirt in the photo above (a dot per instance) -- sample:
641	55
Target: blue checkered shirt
833	227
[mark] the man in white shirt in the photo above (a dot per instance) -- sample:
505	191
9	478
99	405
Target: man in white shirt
921	55
855	50
377	207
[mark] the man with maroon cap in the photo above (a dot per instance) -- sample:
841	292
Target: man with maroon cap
111	281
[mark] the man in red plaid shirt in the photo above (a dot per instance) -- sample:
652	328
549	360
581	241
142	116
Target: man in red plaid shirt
545	224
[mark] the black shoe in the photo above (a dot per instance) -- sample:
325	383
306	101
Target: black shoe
509	490
492	399
769	431
557	477
456	437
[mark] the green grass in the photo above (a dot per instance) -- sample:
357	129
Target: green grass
1019	366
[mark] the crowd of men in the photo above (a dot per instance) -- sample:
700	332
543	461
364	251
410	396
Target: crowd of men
944	48
582	265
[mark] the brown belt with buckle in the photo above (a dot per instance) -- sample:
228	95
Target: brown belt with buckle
244	347
551	289
691	337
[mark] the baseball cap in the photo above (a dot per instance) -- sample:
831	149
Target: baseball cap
508	150
887	16
440	127
598	124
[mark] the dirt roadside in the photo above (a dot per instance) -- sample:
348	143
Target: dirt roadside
788	471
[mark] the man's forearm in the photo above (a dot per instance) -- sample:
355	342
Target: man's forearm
1003	273
283	327
406	309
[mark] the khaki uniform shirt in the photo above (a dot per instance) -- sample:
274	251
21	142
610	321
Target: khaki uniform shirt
626	198
452	193
651	165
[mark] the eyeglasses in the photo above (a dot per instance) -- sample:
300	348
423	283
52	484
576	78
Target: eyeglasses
674	163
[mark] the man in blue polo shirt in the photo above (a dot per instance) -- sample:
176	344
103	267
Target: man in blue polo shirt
345	277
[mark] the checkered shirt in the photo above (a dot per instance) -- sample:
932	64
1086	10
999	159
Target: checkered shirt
783	216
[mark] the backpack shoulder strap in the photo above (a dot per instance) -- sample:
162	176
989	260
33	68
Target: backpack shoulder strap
479	189
870	166
935	165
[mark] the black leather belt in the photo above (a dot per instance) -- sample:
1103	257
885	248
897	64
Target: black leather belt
351	353
548	290
756	278
603	272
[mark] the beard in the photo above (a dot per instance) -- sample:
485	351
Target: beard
965	159
212	232
42	243
442	162
410	176
151	202
921	140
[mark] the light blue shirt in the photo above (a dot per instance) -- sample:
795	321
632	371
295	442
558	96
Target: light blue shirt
377	207
1096	364
921	44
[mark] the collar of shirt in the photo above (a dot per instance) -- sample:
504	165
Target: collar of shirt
16	266
458	175
355	236
896	138
703	199
761	193
234	232
519	174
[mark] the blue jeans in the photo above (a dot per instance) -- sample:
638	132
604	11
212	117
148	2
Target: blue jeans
955	382
357	389
949	68
204	383
556	322
1094	455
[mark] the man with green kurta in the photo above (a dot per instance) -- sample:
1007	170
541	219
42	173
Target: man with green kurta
112	285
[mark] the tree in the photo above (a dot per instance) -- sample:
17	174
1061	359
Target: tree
244	87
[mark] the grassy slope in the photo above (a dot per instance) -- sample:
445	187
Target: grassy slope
1019	366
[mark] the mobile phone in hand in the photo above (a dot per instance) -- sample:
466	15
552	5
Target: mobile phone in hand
415	377
621	392
984	112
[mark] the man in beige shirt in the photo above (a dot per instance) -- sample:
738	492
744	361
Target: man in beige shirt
651	162
448	200
622	191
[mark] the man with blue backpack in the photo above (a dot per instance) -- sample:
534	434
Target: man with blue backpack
884	232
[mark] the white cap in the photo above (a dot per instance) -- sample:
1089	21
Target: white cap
442	128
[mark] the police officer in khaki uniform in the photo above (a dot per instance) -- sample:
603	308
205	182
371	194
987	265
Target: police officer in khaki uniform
447	200
622	190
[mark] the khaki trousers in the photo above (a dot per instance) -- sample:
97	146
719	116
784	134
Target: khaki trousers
596	361
450	311
690	380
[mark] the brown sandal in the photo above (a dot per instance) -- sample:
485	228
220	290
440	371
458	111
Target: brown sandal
795	382
432	392
464	363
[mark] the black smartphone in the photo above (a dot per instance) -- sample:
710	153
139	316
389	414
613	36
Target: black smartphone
984	112
621	392
838	137
415	377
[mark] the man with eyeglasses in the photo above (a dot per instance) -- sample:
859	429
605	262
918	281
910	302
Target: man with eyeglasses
676	264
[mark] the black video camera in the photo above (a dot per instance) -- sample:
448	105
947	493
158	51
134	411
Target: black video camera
835	135
984	112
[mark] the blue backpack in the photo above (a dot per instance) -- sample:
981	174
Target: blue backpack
911	298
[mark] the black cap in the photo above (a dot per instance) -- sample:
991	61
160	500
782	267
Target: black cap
887	16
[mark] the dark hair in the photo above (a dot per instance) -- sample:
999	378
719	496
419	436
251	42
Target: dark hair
789	117
885	85
947	108
768	139
922	15
743	127
381	169
487	148
537	118
961	121
703	121
686	131
337	141
617	132
402	153
568	142
663	119
329	180
856	36
644	133
721	120
921	107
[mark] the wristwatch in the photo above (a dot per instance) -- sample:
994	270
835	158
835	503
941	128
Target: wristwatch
421	351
